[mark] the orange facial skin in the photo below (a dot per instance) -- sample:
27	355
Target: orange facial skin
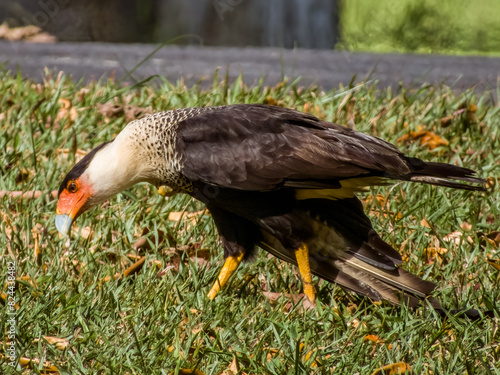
73	198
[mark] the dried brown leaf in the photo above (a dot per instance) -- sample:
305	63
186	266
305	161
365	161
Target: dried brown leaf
200	262
173	263
29	33
176	216
84	232
66	111
33	194
446	121
82	94
456	238
144	245
465	226
64	152
58	342
110	110
133	112
22	176
232	368
274	297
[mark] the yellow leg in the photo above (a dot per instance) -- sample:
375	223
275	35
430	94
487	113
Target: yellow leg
230	266
302	255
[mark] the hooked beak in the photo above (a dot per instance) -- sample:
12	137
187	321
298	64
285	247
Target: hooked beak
70	206
63	223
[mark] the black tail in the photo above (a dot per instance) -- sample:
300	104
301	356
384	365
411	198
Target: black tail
443	174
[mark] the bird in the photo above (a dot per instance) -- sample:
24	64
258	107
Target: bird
272	178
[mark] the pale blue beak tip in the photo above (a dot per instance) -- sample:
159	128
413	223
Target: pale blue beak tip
63	223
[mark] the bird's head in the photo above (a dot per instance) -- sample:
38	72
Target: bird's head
78	192
136	155
102	173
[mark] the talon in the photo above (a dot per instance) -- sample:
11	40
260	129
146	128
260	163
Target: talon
302	255
230	265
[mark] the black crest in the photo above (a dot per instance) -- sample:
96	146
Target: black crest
80	167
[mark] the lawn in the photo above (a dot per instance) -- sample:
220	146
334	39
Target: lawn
80	311
428	26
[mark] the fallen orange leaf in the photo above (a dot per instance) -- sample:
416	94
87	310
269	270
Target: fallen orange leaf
494	238
6	299
432	252
29	280
377	340
426	138
393	369
134	268
313	109
373	338
494	262
48	368
270	100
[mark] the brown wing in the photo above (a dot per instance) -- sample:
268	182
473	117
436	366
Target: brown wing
257	147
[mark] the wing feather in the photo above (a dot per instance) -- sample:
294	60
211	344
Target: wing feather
255	147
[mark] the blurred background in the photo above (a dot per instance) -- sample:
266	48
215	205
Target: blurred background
431	26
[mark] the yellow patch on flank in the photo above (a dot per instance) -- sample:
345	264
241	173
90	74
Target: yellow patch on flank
348	189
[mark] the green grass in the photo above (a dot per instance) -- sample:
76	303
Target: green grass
147	324
430	26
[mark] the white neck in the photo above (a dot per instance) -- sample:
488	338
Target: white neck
122	163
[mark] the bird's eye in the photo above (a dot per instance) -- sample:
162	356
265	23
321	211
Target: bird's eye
72	188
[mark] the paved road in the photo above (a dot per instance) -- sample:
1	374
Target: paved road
320	67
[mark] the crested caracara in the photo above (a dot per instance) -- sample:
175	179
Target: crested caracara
271	177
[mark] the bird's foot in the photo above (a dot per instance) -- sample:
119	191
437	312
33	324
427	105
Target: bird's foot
230	265
302	255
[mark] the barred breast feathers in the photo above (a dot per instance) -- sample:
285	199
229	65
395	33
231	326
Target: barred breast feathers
151	141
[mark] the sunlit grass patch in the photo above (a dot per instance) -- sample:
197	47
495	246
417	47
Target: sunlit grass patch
429	26
159	319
